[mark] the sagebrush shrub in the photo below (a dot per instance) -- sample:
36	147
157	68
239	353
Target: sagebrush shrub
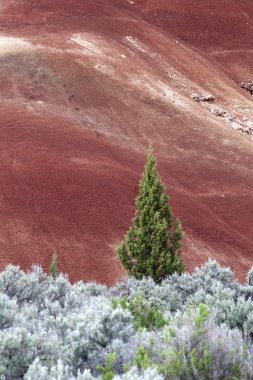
197	326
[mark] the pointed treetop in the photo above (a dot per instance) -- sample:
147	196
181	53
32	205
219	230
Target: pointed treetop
152	246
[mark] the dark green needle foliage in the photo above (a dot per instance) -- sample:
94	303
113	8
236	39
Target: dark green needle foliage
54	265
152	246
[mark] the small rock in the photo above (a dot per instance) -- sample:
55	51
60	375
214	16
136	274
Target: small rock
248	86
222	113
218	112
203	98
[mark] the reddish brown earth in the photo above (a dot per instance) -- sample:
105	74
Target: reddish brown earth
84	87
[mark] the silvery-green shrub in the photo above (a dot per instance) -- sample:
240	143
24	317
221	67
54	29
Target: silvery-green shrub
59	371
136	374
50	329
250	277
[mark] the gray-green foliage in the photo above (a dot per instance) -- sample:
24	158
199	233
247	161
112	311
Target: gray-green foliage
145	315
250	277
197	326
152	246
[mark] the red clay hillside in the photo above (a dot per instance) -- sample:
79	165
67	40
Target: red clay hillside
85	86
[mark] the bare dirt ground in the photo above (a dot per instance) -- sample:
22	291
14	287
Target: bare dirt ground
84	87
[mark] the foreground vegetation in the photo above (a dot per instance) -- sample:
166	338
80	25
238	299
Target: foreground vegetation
197	326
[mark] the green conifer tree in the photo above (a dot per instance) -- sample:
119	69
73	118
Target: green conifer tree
54	265
152	246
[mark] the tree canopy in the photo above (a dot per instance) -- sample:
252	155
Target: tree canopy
152	246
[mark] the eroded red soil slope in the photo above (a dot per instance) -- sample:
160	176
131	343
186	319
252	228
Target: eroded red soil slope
84	87
222	29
